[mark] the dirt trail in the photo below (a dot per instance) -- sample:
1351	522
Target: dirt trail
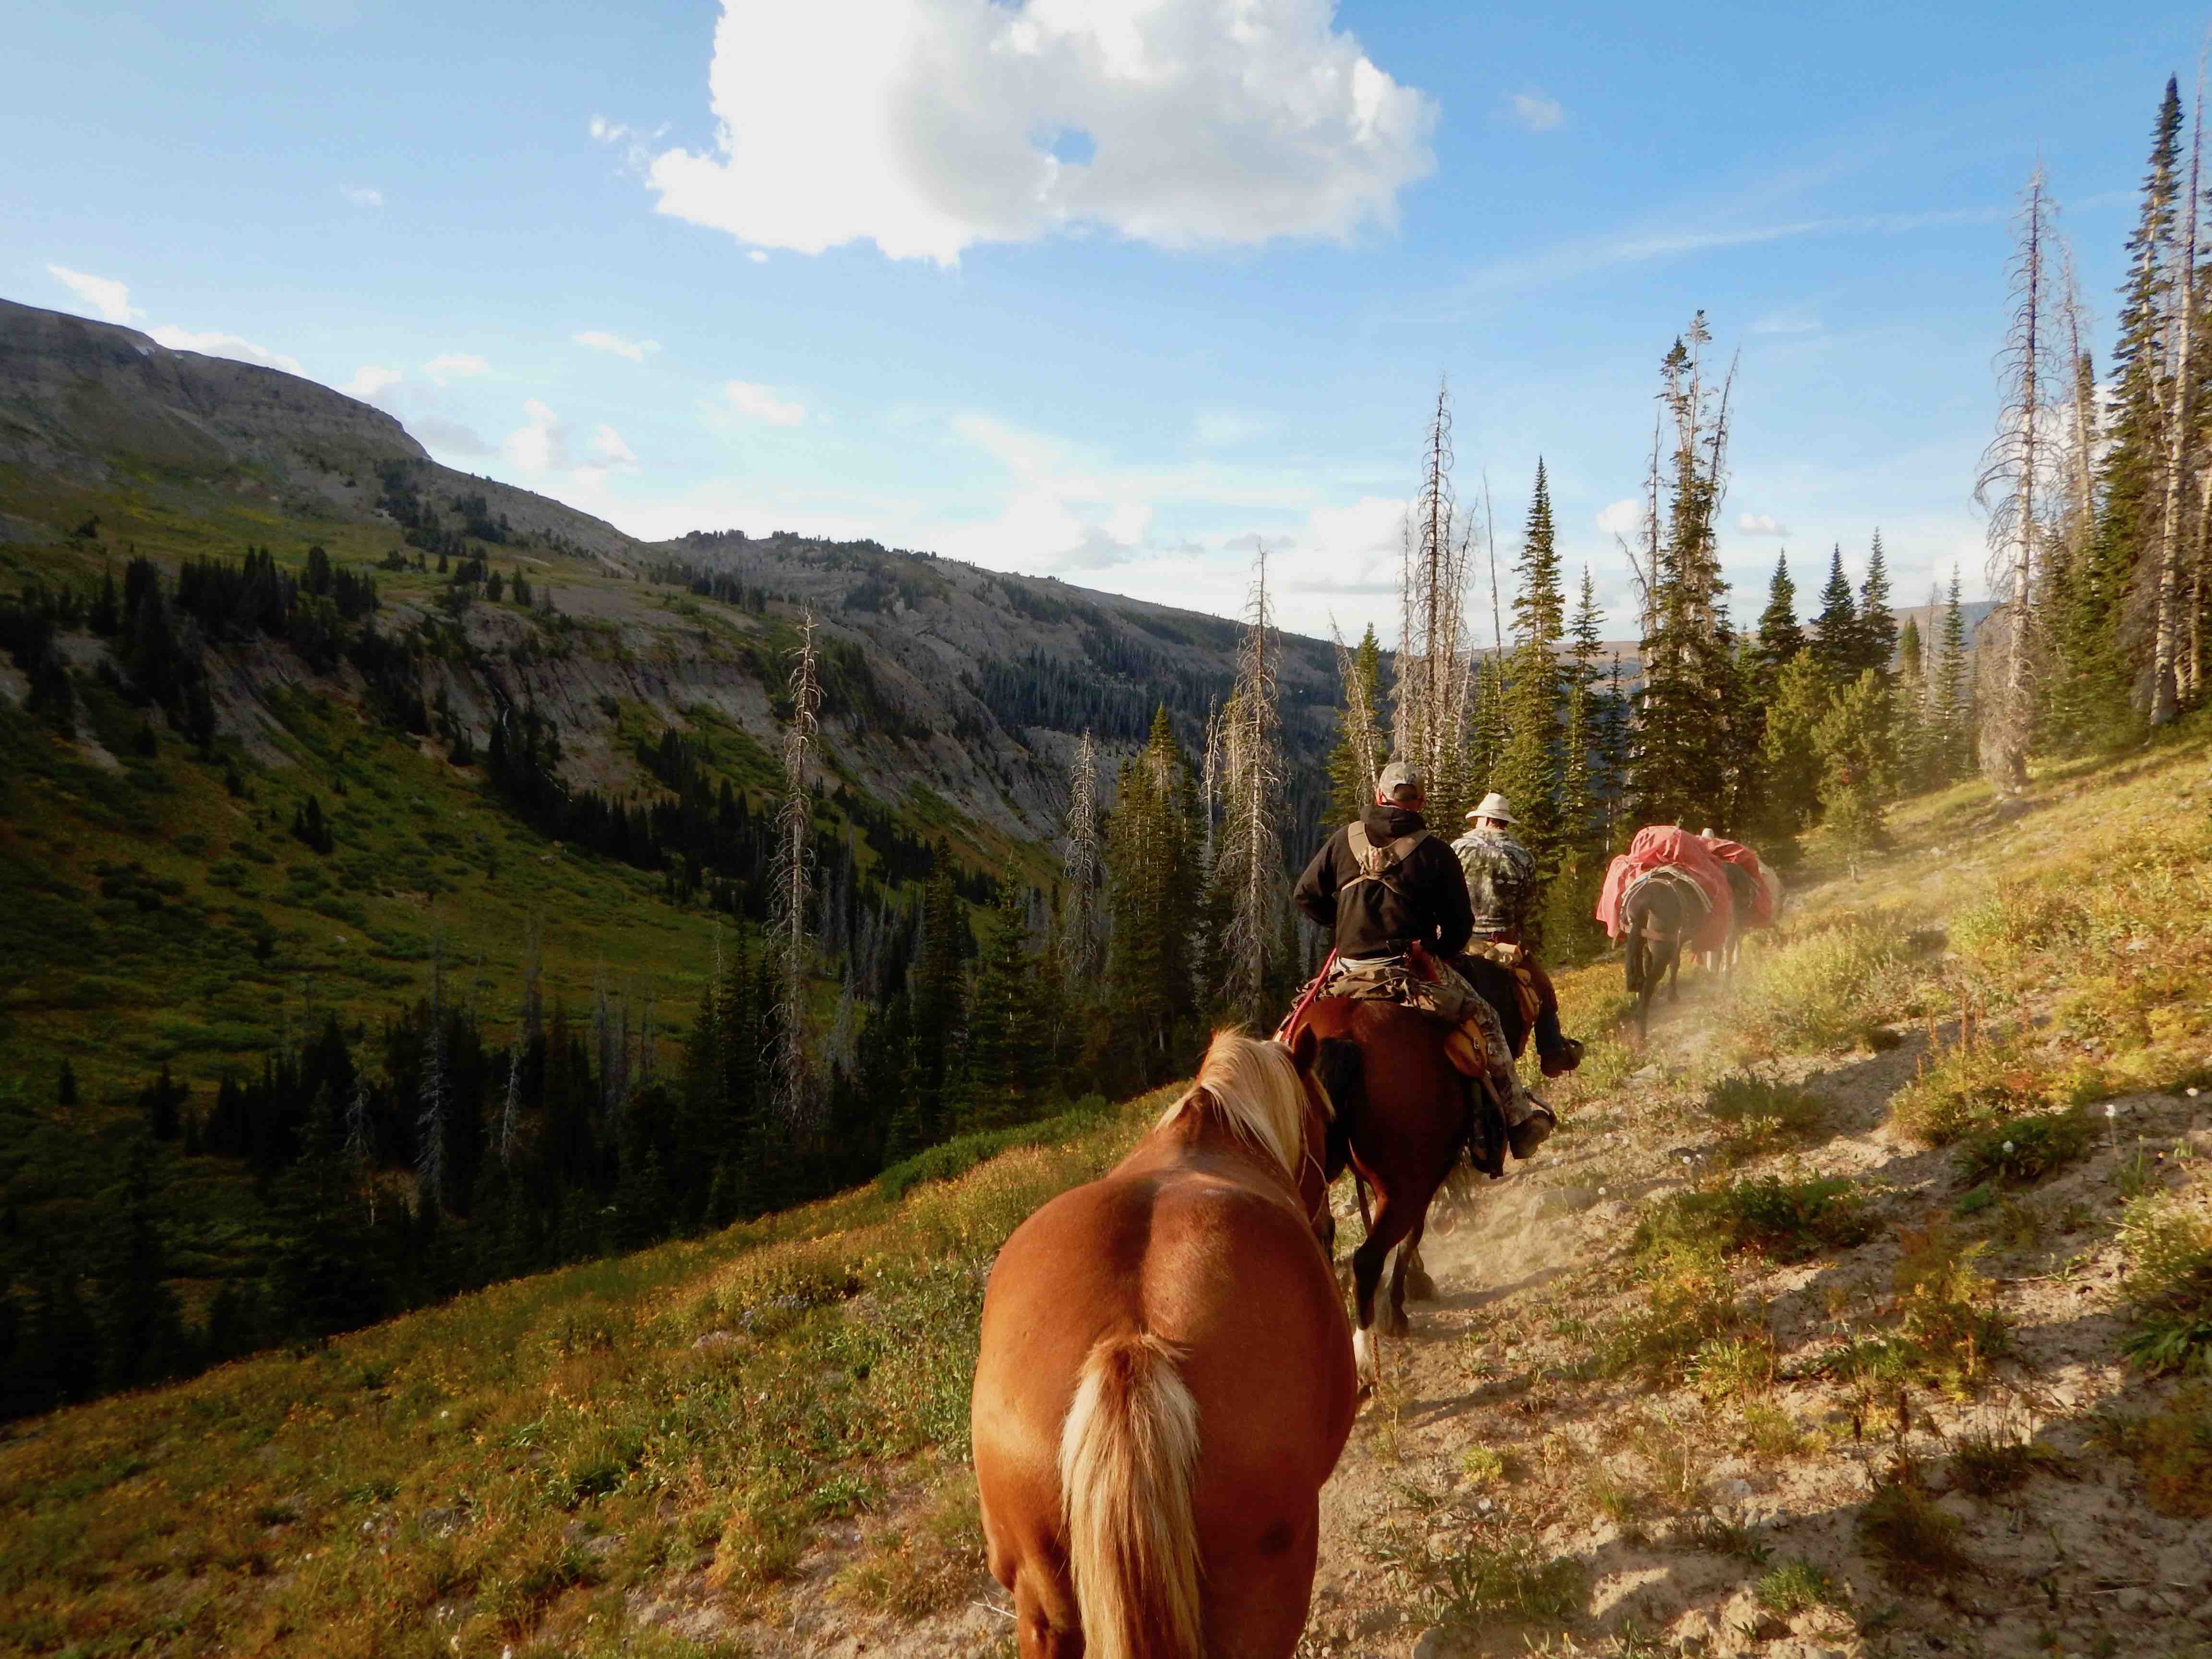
1486	1437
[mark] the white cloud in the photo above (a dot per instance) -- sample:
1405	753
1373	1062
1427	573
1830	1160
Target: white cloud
761	402
1622	518
599	340
217	344
455	366
110	298
608	447
368	380
541	444
445	437
363	196
1759	523
756	255
943	124
1533	111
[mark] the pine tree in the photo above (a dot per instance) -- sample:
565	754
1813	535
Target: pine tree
1877	630
1360	742
1914	770
1684	740
1434	668
1528	769
1006	1034
1788	752
1835	638
1780	637
1154	882
1248	868
1856	780
1950	717
938	1012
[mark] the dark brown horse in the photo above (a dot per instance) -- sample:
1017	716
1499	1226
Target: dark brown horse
1402	1120
1165	1380
1658	917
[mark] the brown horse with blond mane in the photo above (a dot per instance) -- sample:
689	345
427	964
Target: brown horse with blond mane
1165	1380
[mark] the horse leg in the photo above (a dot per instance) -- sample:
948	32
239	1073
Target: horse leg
1409	1275
1392	1223
1674	976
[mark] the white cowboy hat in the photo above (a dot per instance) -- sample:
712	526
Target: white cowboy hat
1493	806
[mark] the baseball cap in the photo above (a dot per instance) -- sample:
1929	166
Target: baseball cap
1400	779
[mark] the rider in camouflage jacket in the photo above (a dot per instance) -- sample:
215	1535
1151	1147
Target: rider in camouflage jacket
1501	885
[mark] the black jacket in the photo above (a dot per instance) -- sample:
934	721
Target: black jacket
1430	905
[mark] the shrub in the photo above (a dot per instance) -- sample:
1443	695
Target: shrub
1988	1465
1491	1572
1902	1528
2172	1449
1788	1220
2024	1150
928	1562
1795	1587
1826	987
1761	1115
1969	1090
2168	1240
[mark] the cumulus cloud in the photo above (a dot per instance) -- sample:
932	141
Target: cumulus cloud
945	124
368	380
1533	111
455	366
1622	518
107	296
363	196
541	443
762	403
445	437
608	449
599	340
216	343
1759	523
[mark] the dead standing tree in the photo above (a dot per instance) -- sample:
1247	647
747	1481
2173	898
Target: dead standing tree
1250	864
791	1072
1081	936
1435	669
2010	490
2181	439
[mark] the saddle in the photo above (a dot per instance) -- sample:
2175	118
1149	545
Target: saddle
1684	886
1513	957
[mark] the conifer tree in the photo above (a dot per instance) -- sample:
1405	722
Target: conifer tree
1788	753
1780	637
1835	638
1950	716
1006	1029
1360	742
938	1012
1877	627
1249	871
1081	933
1914	771
1433	684
1528	768
1587	632
1684	741
1153	884
794	1086
1856	780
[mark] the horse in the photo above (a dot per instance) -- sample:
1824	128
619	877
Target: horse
1658	917
1401	1120
1743	899
1165	1380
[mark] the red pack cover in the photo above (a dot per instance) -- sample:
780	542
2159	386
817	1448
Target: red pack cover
1662	846
1762	889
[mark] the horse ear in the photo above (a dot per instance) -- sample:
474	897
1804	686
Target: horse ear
1304	1046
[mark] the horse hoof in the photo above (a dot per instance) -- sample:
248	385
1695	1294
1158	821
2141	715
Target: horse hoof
1397	1325
1420	1287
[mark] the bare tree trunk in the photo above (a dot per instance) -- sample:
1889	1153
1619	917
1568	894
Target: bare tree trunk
790	1068
2166	633
1251	848
1355	702
1079	865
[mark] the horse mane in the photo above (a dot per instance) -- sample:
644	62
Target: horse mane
1255	1088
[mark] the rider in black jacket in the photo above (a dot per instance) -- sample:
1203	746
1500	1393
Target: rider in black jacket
1422	899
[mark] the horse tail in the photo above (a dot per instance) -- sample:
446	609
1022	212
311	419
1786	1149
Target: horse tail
1342	1069
1127	1455
1636	949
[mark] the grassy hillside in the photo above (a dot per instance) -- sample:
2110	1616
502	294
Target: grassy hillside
1844	1317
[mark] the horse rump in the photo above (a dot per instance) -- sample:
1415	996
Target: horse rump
1128	1454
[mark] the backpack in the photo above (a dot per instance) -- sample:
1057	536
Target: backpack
1380	864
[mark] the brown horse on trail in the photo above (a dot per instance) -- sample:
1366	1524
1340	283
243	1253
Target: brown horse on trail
1165	1380
1401	1119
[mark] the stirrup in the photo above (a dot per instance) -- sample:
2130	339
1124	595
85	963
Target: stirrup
1563	1060
1532	1131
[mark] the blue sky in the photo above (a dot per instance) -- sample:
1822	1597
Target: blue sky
1093	288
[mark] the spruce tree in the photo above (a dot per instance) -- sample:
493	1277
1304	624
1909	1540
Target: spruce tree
1855	779
1349	794
1586	631
1836	640
1788	752
1877	625
1153	880
1914	770
1780	636
1527	767
1006	1030
1950	719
